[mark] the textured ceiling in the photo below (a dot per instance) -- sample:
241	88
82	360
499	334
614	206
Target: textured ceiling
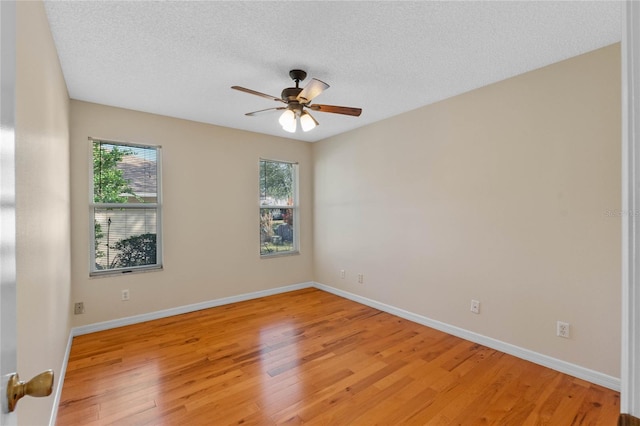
180	58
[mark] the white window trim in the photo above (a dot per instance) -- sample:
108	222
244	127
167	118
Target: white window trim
157	206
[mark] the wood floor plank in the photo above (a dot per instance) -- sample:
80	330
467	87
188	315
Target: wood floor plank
310	357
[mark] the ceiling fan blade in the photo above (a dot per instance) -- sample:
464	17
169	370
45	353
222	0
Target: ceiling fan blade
336	109
253	92
251	114
311	90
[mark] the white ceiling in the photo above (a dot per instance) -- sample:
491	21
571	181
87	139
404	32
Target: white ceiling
180	58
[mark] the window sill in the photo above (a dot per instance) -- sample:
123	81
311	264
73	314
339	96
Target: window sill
281	254
104	274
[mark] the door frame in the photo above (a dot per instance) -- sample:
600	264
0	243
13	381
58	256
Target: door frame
630	55
8	330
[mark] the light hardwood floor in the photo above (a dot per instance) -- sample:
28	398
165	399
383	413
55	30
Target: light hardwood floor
312	357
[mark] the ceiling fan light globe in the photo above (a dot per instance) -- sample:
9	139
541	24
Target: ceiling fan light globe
307	122
290	127
287	118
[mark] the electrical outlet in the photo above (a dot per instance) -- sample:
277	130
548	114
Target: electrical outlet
475	306
360	278
125	294
563	329
78	308
342	274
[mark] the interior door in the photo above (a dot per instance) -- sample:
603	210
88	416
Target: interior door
8	352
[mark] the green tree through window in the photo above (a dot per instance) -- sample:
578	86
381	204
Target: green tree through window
109	184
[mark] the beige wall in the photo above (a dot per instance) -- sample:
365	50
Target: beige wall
210	216
42	211
503	194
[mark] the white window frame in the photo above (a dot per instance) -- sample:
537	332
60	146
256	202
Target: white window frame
157	206
295	207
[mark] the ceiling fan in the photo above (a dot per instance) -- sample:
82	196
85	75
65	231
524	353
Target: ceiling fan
297	101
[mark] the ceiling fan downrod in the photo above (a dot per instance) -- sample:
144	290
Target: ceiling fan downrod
297	76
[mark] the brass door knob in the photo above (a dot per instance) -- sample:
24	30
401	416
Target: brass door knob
41	385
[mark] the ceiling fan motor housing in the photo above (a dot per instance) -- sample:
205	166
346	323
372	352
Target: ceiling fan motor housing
290	94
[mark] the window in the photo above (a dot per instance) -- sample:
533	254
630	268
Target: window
278	208
125	207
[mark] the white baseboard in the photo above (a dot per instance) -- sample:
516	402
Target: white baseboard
58	391
526	354
106	325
